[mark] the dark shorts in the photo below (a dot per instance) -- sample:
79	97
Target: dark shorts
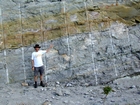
38	70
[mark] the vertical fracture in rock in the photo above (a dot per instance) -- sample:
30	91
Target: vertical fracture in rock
93	61
22	48
111	42
4	46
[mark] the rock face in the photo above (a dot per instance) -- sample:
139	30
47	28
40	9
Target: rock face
98	56
30	21
91	41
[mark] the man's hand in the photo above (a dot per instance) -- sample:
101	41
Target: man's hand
51	46
33	68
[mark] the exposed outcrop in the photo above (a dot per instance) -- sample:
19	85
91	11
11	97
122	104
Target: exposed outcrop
29	21
93	40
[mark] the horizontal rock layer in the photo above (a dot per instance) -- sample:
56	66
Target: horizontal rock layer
30	21
95	40
98	56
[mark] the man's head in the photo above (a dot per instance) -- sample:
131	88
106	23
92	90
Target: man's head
37	47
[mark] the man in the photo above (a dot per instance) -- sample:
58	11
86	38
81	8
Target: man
37	63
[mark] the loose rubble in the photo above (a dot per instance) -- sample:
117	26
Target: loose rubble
124	94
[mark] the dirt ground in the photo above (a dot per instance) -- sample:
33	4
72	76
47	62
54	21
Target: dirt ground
126	92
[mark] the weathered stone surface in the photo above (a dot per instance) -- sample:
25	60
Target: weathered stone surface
29	21
91	39
99	57
3	76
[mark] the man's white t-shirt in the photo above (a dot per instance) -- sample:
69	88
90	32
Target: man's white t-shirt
37	57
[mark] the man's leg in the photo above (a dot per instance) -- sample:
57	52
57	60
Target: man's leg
41	76
35	76
41	81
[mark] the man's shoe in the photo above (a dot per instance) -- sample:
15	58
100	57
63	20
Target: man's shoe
42	84
35	85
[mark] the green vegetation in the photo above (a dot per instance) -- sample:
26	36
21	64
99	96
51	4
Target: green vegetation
106	90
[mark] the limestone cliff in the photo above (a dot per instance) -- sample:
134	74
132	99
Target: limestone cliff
94	39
